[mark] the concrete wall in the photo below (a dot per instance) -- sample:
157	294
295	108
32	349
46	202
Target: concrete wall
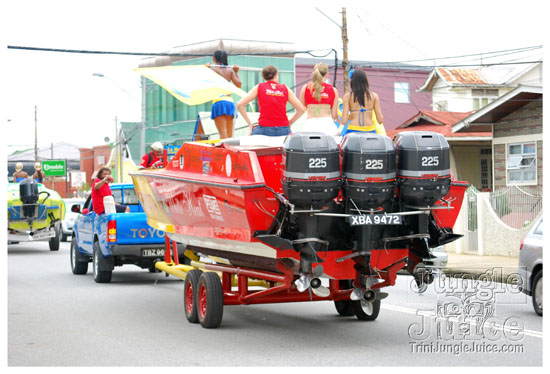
493	236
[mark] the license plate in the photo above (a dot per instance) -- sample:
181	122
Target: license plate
152	252
43	235
376	219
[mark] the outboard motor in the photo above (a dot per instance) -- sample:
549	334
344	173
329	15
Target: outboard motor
423	172
28	193
368	170
311	169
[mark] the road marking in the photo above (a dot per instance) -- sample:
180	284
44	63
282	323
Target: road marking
429	313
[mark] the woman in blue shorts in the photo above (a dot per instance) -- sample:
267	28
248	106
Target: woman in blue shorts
223	107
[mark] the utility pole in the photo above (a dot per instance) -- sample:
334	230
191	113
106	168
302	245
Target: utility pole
35	135
345	61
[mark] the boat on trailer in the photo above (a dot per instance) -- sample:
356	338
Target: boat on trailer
283	216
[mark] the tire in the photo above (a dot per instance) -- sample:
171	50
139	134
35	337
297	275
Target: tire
364	315
190	288
536	292
100	276
344	307
209	300
64	238
79	262
54	242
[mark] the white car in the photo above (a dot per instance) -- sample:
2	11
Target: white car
68	222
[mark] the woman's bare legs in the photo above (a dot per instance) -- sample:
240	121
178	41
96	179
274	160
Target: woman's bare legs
224	124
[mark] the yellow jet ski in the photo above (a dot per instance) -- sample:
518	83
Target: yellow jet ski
34	213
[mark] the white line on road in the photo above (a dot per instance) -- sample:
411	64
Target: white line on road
428	313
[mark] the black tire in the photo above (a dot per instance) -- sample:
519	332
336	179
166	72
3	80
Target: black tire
344	307
536	295
54	242
190	287
100	276
64	238
79	262
363	315
209	300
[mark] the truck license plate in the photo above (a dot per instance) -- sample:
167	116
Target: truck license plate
376	219
152	252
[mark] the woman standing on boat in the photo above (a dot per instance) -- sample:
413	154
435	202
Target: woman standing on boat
272	98
223	108
321	102
359	104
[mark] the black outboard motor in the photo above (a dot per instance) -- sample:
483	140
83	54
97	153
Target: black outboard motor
368	170
311	169
28	193
423	171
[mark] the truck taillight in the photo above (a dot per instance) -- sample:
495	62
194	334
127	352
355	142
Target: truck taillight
111	231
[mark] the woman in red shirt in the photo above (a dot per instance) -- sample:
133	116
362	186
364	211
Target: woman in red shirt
272	98
100	189
321	102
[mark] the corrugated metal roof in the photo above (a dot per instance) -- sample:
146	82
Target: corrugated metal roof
440	122
435	117
461	76
487	76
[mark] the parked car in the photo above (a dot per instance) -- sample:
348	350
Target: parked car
70	216
440	260
530	265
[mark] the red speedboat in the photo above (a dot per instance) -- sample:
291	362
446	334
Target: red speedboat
306	209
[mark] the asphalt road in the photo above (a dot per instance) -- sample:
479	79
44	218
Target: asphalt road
56	318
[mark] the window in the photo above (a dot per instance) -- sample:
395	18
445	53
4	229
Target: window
101	160
117	195
482	97
538	230
521	164
401	92
130	197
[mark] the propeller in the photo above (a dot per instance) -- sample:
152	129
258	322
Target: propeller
312	283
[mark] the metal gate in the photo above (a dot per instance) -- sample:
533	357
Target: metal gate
471	231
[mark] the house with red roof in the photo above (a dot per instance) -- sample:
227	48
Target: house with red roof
470	148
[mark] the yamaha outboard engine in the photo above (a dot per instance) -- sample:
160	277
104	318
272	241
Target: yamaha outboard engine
28	193
423	172
368	170
311	169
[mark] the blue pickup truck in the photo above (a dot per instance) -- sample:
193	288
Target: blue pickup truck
109	240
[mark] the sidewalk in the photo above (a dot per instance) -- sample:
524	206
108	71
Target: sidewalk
499	268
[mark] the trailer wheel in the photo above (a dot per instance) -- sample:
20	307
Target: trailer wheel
209	300
54	242
365	310
190	288
344	307
79	262
100	276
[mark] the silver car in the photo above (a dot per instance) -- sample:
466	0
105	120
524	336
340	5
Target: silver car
530	265
68	222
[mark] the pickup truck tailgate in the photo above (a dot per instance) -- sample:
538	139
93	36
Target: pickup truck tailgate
132	228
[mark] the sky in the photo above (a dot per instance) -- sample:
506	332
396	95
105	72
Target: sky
77	107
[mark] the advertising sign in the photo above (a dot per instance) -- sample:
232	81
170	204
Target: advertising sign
77	178
54	168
